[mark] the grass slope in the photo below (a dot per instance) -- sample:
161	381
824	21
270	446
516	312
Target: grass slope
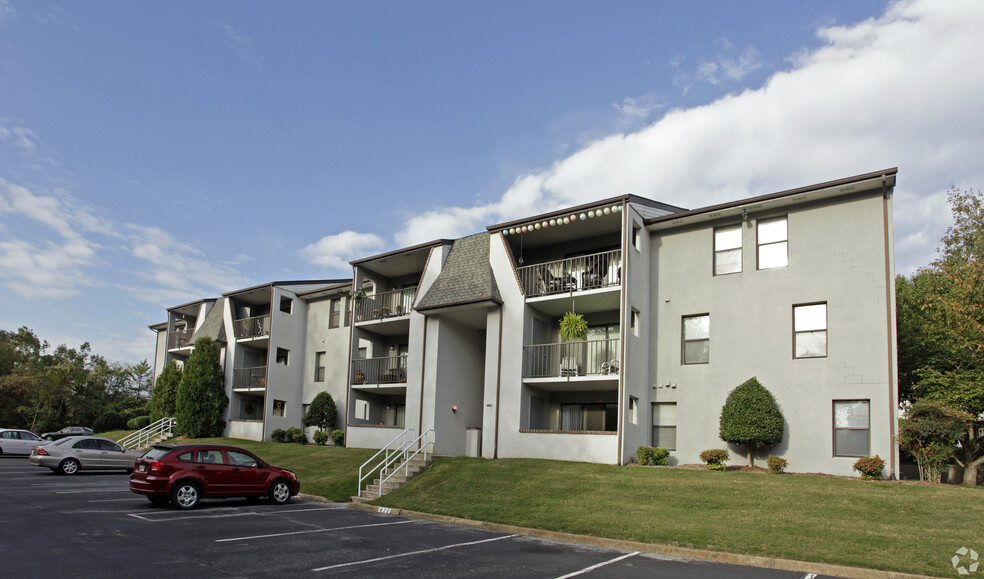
880	525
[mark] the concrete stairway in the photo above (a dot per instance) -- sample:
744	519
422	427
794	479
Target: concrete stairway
401	474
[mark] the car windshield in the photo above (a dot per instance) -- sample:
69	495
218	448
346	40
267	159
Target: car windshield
156	453
59	442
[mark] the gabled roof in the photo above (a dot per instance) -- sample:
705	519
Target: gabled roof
213	326
466	277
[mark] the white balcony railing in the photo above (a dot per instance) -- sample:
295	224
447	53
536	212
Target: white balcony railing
568	359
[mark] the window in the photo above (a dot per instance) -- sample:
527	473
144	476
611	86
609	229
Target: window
400	414
348	313
810	331
664	424
852	428
633	410
727	250
282	356
278	407
241	458
697	339
210	456
636	236
772	241
319	366
634	322
335	315
598	417
362	409
286	304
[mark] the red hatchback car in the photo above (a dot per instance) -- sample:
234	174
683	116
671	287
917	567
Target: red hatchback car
186	473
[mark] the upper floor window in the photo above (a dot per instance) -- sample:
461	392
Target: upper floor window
810	331
319	366
697	339
727	250
335	313
282	356
286	304
772	244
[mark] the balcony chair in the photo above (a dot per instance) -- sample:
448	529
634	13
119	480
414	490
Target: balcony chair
568	367
595	275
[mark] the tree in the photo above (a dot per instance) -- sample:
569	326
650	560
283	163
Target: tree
751	416
930	431
164	395
322	412
201	400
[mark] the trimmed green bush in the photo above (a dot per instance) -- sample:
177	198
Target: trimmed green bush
338	438
777	464
320	437
278	435
715	458
751	416
870	467
138	422
648	455
295	434
321	412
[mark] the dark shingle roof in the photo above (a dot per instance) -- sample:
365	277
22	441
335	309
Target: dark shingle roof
213	326
466	276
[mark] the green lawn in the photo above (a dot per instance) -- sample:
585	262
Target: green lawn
881	525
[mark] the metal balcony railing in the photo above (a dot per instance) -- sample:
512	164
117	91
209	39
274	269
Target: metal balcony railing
255	327
585	272
249	377
388	370
179	339
385	305
567	359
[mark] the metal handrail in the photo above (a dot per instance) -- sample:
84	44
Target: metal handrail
254	327
388	453
422	443
179	339
389	304
384	370
141	437
564	359
598	270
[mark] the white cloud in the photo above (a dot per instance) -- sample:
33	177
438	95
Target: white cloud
336	251
21	138
640	108
7	11
903	89
242	45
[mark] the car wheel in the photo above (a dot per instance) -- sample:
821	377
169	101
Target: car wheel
158	501
186	495
69	466
280	492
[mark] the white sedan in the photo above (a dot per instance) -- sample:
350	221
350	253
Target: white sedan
15	441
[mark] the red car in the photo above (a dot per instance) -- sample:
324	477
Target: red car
186	473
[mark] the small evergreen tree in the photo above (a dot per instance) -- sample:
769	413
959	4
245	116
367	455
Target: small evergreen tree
162	399
751	416
201	399
322	412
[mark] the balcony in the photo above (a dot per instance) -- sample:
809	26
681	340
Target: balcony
387	370
586	272
255	327
392	304
179	339
249	379
598	358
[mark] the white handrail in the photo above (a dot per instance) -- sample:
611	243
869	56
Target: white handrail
141	437
389	452
424	440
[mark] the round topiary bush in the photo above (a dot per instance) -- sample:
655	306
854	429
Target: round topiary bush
278	435
715	458
751	416
338	438
320	437
295	434
870	467
777	464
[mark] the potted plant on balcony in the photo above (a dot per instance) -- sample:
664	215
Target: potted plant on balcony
399	310
357	296
573	328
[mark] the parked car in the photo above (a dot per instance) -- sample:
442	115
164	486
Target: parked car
15	441
67	431
186	473
74	453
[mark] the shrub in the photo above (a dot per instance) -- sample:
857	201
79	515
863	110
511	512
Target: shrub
138	422
163	399
338	438
751	416
644	454
930	432
295	434
777	464
320	437
715	458
322	412
278	435
648	455
109	421
870	467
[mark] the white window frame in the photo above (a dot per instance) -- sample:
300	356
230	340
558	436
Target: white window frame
801	327
866	428
657	424
770	243
685	339
720	237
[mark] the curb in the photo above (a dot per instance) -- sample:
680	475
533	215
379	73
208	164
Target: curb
680	552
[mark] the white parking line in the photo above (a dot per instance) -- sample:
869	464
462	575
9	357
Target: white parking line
165	514
309	531
114	500
377	559
93	491
599	565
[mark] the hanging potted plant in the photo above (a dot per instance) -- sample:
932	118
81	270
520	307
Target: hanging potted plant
357	295
573	327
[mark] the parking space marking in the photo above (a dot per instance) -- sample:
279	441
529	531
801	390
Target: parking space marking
97	490
421	552
320	530
114	500
599	565
165	518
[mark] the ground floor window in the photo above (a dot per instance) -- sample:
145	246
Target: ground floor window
400	414
852	427
600	417
664	424
278	407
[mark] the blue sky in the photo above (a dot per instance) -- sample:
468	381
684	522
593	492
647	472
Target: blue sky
155	153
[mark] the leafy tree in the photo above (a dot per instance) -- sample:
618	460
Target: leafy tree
930	431
322	412
201	400
751	416
164	395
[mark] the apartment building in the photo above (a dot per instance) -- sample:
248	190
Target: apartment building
462	337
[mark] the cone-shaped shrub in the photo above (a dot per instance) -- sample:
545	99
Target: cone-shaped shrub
201	398
751	416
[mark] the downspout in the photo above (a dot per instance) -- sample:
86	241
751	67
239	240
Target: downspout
889	300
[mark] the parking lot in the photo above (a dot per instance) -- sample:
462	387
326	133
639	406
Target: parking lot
91	525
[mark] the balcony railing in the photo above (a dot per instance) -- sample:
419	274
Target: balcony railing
567	359
255	327
388	370
249	377
585	272
179	339
385	305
